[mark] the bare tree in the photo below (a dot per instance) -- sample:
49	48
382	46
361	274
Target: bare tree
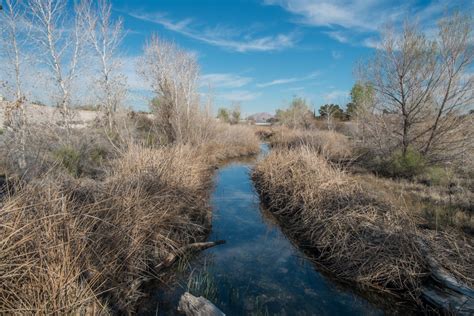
60	47
235	113
173	75
297	115
105	36
14	30
455	90
422	87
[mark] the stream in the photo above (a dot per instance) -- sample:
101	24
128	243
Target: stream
259	271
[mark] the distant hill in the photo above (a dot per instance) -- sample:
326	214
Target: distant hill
260	117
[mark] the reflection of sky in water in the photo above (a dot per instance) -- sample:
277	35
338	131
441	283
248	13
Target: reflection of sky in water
258	270
261	262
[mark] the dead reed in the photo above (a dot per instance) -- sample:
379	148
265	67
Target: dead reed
77	245
330	144
360	234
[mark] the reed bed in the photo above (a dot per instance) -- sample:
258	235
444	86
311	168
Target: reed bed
76	245
359	234
329	144
231	141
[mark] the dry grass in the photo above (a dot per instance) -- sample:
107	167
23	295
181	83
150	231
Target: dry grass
231	141
94	213
359	233
331	145
264	132
72	245
439	207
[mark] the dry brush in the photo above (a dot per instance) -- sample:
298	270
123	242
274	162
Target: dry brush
359	234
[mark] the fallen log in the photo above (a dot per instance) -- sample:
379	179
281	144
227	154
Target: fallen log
197	306
445	291
194	247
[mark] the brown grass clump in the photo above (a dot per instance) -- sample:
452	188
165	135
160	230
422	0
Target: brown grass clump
330	144
360	235
82	246
231	141
439	207
264	132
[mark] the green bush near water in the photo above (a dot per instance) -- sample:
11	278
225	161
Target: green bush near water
407	165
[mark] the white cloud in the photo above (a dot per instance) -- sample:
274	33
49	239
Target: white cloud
240	95
288	80
359	14
224	80
372	42
134	81
352	21
221	36
338	36
336	96
336	54
296	89
277	82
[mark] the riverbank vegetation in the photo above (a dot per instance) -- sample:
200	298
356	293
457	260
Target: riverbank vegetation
89	210
382	193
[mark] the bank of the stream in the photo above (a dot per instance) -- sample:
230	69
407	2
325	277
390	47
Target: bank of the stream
363	234
258	271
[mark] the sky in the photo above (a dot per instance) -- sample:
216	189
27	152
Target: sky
262	53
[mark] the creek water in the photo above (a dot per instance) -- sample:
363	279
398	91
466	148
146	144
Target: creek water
258	271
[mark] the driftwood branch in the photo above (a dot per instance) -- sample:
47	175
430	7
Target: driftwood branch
445	291
194	247
197	306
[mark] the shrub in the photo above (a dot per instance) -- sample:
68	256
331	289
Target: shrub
437	175
407	165
69	158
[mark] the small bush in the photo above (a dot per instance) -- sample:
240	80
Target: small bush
406	165
98	155
70	159
437	176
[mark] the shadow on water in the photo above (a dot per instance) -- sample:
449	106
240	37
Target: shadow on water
259	271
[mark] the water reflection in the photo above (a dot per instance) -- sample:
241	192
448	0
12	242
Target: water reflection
258	271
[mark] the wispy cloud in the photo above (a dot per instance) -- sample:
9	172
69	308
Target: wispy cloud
240	95
336	96
225	80
288	80
359	14
356	21
128	68
336	54
372	42
338	36
296	89
220	36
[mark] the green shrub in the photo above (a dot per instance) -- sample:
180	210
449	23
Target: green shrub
407	165
70	159
437	176
1	131
98	155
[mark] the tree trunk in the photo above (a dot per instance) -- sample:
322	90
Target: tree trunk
197	306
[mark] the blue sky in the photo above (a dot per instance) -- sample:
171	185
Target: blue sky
263	52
